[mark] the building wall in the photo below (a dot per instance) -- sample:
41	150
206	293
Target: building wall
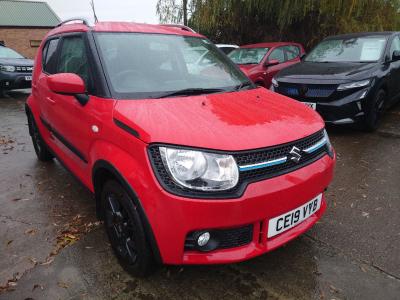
23	40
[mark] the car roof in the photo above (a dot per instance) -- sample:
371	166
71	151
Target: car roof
269	45
361	34
125	27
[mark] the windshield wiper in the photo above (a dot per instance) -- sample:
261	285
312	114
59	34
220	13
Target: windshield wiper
190	91
243	85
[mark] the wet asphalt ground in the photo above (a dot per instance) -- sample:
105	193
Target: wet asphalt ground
51	246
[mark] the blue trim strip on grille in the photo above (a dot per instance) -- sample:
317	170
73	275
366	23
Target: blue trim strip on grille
265	164
315	147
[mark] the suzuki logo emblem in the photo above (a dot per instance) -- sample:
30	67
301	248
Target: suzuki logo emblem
295	153
303	90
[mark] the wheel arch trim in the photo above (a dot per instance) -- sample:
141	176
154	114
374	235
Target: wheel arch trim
104	165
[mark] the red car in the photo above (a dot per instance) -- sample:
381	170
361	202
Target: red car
260	62
188	164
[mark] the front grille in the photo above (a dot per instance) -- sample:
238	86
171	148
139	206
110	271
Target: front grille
244	158
306	90
223	238
24	69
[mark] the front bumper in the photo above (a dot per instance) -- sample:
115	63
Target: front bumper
347	110
14	80
172	217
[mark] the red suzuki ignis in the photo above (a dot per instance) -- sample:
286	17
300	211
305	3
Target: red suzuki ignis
189	162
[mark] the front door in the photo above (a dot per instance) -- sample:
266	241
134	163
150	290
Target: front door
72	122
394	77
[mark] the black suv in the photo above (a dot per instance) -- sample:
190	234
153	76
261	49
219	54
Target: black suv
348	78
15	70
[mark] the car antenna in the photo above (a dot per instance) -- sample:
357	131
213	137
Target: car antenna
96	20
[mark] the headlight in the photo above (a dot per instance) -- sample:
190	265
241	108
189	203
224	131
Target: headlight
328	144
274	82
353	85
200	170
7	68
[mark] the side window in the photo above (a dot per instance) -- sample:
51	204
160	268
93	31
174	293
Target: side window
73	58
277	54
395	46
49	57
292	52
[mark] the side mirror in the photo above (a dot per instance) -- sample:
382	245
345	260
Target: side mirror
396	55
272	62
68	84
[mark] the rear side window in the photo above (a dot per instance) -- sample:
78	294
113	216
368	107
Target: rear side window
73	58
292	52
49	56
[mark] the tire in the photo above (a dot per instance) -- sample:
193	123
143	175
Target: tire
374	110
125	230
42	151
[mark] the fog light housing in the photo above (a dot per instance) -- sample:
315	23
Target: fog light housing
203	239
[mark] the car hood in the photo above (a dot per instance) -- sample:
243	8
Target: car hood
231	121
16	61
340	72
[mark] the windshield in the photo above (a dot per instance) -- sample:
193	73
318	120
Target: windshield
9	53
362	49
247	56
154	65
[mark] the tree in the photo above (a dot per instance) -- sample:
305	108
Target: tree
172	11
305	21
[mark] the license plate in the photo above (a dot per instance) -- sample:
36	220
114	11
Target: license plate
28	78
294	217
311	105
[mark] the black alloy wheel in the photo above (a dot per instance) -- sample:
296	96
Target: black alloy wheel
125	230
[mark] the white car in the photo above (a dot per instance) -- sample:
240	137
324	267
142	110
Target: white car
226	48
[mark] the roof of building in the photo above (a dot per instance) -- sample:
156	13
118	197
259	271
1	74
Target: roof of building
16	13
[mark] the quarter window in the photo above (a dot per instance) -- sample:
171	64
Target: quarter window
50	57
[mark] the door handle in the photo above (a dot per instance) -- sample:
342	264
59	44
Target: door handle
51	100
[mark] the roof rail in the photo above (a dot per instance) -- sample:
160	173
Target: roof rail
183	27
83	20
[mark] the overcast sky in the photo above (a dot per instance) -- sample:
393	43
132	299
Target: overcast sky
142	11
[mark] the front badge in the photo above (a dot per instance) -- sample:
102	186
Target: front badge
295	154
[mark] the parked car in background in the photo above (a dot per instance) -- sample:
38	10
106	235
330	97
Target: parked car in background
187	165
261	62
348	79
226	48
15	70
